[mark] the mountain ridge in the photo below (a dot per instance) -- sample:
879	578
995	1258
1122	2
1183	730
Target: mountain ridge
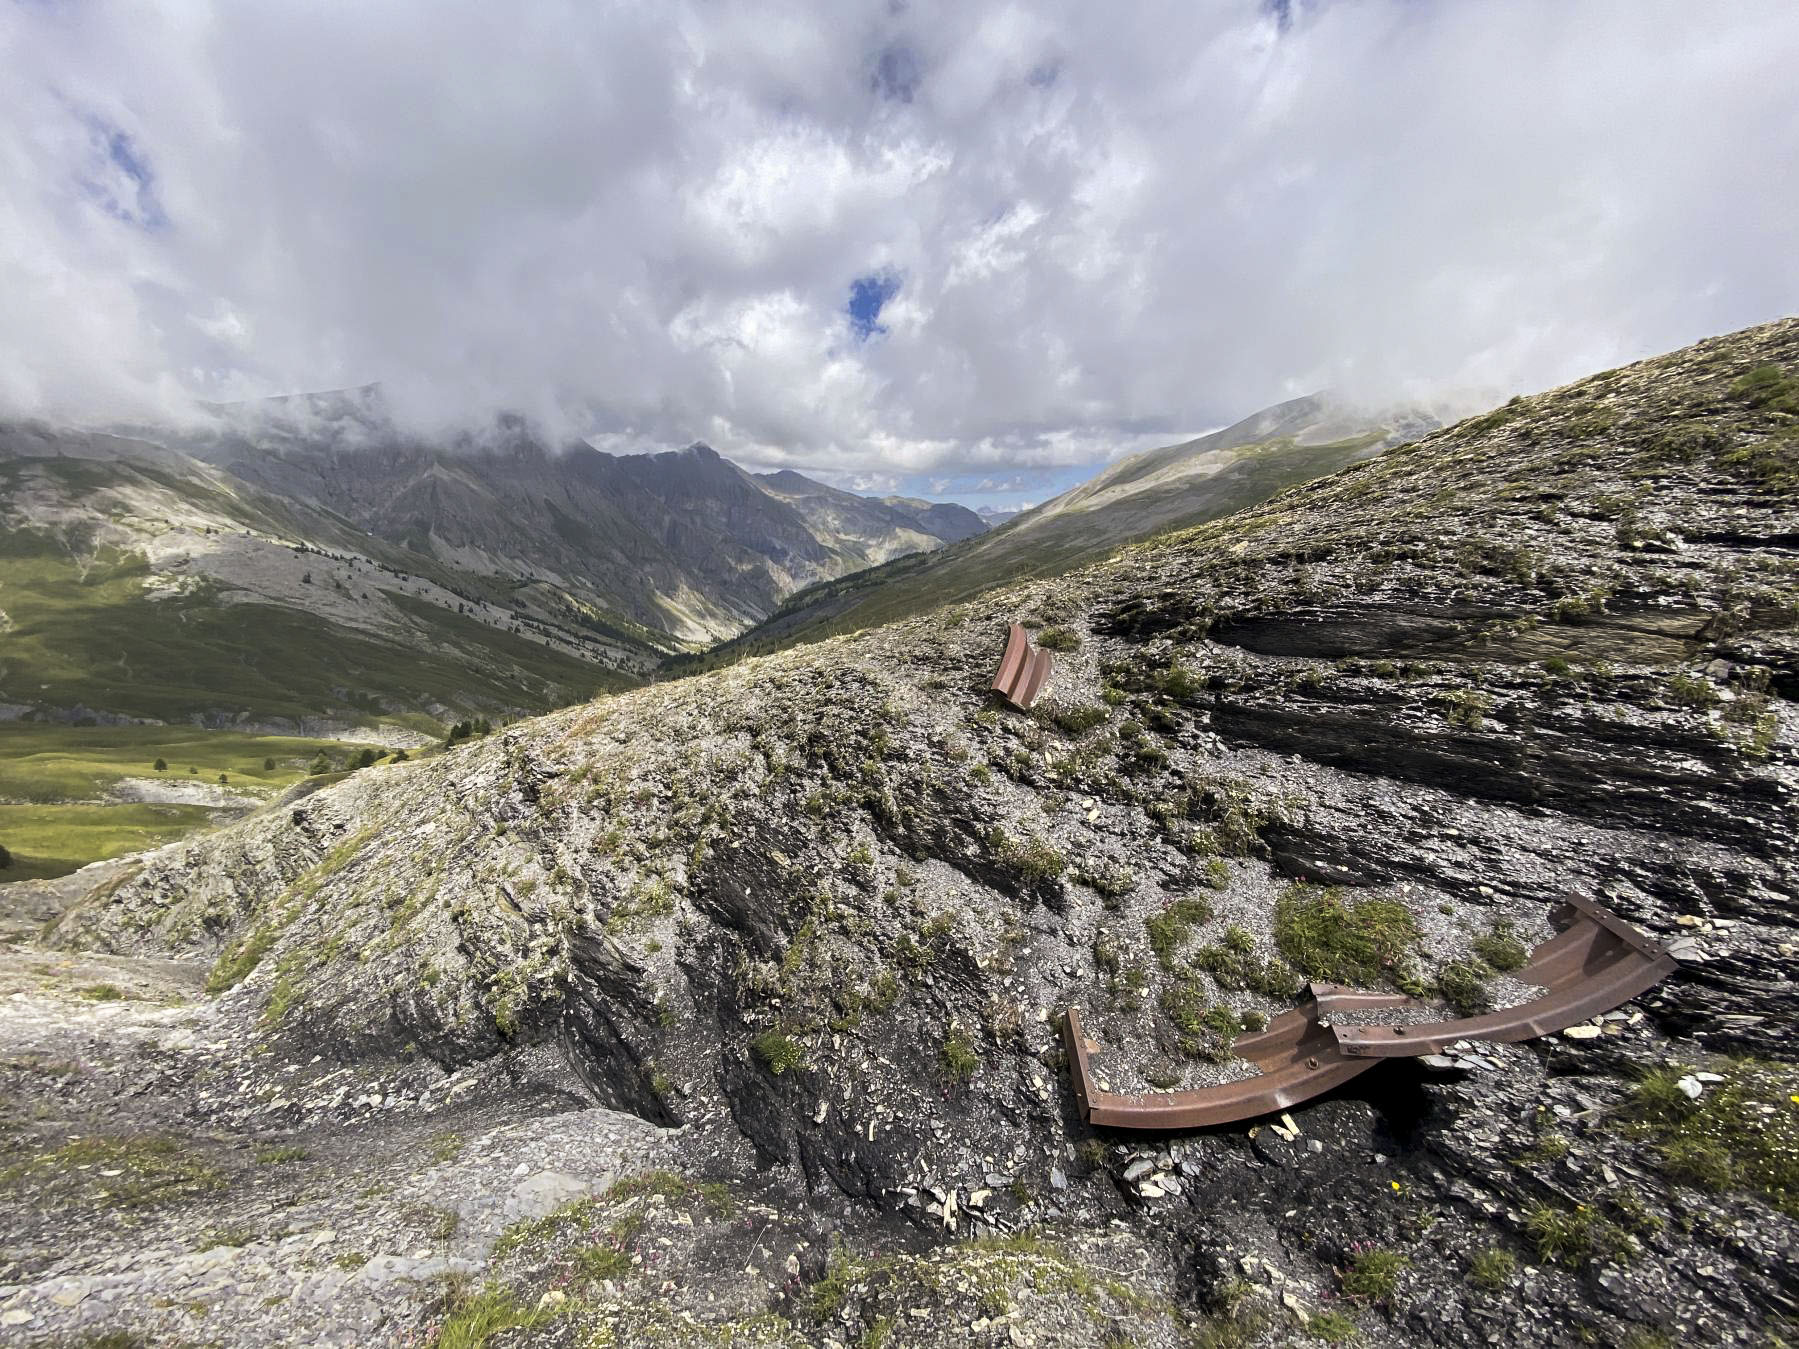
1133	499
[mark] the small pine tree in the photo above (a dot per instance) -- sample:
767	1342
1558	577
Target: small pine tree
192	769
365	759
5	857
223	778
320	765
268	765
399	756
161	765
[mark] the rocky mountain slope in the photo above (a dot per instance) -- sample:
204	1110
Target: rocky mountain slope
684	545
320	569
784	946
137	582
878	529
1140	496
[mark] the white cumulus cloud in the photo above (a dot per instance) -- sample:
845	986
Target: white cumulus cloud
1110	225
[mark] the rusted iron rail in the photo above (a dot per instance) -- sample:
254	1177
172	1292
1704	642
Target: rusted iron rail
1023	670
1595	962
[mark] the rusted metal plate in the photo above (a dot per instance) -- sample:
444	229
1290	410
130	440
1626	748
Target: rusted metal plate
1595	963
1023	670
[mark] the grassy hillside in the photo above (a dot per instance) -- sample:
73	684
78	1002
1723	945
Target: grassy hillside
94	630
100	618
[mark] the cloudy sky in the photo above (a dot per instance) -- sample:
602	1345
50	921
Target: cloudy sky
969	247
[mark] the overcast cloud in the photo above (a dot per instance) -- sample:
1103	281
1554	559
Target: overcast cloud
1087	227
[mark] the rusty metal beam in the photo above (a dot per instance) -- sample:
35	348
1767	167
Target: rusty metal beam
1296	1054
1595	962
1023	670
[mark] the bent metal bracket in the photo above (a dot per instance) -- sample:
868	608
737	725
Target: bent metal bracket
1595	962
1023	670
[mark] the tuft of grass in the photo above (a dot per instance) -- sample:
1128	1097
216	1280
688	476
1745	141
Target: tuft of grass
603	1262
1573	1237
1741	1134
1371	1274
1500	948
1492	1269
958	1055
778	1052
1363	942
1205	1032
1466	708
1077	720
101	993
1549	1147
827	1296
1058	639
1235	966
1692	691
1333	1327
1463	985
1171	926
1033	860
286	1152
473	1321
1108	879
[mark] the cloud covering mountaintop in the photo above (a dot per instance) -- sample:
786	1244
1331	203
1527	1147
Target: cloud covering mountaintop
893	239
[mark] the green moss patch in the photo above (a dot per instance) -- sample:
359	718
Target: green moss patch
1237	967
1362	942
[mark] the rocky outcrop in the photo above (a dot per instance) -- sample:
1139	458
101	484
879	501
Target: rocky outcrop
820	908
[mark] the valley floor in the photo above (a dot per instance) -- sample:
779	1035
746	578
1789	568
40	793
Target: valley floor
71	795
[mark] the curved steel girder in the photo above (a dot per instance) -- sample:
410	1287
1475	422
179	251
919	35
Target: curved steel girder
1595	962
